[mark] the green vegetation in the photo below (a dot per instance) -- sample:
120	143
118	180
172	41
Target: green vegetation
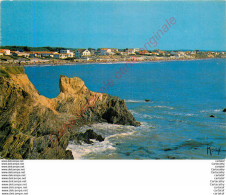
6	70
69	59
201	55
6	58
15	69
3	73
26	48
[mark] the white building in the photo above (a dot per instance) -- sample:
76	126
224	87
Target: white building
5	52
62	55
68	52
136	50
130	51
105	51
65	51
82	52
115	50
86	53
47	54
20	54
181	54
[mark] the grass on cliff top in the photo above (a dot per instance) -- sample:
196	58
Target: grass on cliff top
6	70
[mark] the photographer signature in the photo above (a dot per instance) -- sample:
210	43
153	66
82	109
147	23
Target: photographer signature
211	149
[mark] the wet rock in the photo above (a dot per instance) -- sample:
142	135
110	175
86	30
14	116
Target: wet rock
212	116
115	111
167	149
146	100
224	110
89	134
171	157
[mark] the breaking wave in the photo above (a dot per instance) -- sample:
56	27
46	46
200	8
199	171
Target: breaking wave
135	101
109	131
168	107
78	151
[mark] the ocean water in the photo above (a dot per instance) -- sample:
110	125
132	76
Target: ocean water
175	123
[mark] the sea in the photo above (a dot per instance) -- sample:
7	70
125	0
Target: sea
173	100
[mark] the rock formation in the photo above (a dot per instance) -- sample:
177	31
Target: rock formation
89	134
31	124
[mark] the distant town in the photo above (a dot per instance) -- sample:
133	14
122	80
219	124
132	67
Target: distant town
23	55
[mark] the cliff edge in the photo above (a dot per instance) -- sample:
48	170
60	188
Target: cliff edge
36	127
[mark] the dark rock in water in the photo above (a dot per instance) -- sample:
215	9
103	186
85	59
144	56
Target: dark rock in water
224	110
193	144
167	149
212	116
171	157
99	138
89	134
114	111
146	100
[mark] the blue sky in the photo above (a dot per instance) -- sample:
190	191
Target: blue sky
199	25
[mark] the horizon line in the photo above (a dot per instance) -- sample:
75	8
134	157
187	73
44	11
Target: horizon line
114	0
112	48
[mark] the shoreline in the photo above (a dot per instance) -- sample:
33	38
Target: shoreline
63	62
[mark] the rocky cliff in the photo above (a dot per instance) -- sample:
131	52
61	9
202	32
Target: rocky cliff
35	127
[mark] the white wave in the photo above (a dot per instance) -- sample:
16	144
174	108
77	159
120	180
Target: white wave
181	114
109	131
106	129
140	115
111	126
189	114
114	130
143	124
133	112
134	101
205	111
120	135
216	110
164	107
79	151
147	116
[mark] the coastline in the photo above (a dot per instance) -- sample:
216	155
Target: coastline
65	62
